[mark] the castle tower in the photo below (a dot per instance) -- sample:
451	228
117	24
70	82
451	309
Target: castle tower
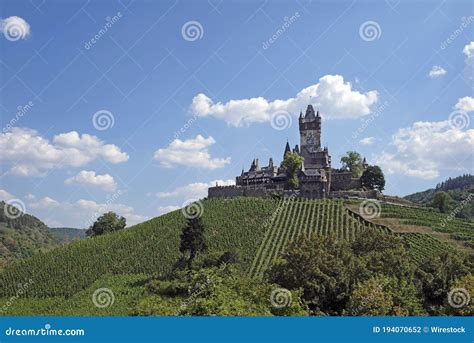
310	131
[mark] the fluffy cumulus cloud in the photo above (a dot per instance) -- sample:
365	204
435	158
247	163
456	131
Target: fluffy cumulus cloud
426	148
465	104
367	141
29	154
334	97
437	71
44	203
469	50
191	152
81	213
14	28
194	190
90	179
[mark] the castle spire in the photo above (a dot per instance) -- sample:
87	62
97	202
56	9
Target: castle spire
310	112
287	149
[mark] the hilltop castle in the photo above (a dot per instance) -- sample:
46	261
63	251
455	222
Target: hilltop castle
317	180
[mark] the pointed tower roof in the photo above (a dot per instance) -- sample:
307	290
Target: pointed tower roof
287	149
310	112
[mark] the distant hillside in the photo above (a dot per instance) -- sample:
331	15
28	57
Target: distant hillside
67	234
461	190
23	236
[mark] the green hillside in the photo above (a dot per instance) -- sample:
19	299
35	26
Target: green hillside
256	229
461	191
67	234
23	236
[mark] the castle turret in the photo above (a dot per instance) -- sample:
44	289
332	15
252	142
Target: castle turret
257	165
270	163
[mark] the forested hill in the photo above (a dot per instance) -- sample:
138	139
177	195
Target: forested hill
22	236
67	234
460	189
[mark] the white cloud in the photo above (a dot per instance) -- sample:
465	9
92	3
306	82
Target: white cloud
15	28
167	209
469	50
437	71
367	140
87	212
45	203
465	104
5	196
426	148
332	96
196	190
29	154
191	152
89	178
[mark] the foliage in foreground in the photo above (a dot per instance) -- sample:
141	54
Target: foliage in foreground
372	276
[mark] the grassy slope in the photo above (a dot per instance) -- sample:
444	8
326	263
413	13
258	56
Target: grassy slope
150	247
258	229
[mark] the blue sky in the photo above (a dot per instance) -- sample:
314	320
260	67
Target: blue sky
194	90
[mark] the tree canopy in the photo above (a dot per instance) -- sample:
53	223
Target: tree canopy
373	178
353	162
108	222
291	165
192	239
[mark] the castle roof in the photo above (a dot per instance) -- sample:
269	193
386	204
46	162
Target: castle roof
310	114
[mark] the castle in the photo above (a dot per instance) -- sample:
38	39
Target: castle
317	180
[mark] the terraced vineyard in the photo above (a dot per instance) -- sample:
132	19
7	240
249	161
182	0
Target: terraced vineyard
295	217
257	229
150	248
462	230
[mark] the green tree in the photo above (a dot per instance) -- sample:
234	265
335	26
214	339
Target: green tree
442	201
108	222
382	295
437	275
353	162
291	165
373	178
323	267
192	239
